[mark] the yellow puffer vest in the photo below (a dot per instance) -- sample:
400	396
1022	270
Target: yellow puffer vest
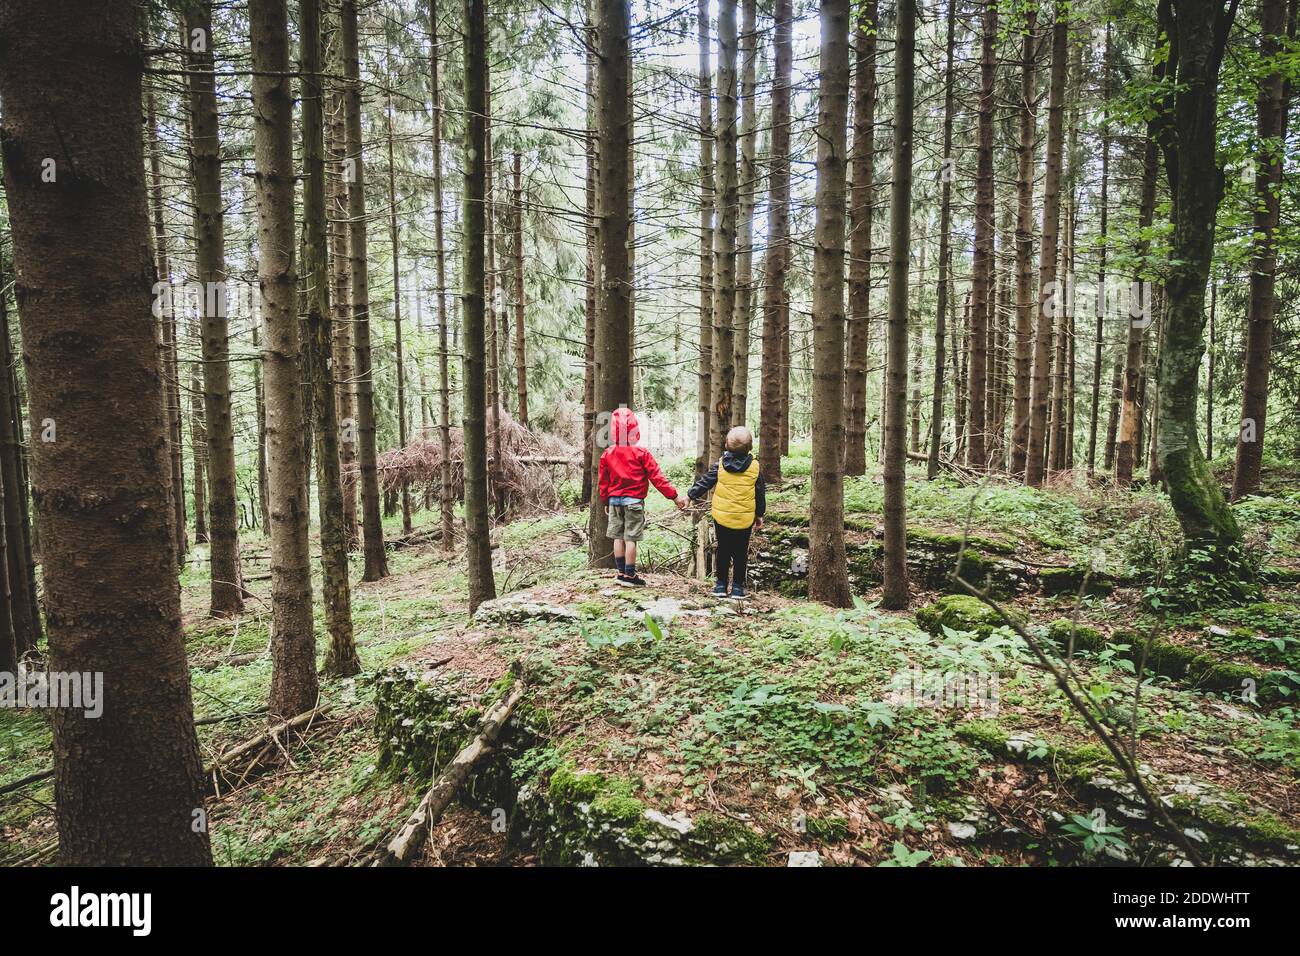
733	496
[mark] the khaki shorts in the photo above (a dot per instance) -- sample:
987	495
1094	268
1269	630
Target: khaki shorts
626	522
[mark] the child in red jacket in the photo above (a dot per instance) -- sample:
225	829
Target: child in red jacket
626	472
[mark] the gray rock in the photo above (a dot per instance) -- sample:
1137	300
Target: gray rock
804	858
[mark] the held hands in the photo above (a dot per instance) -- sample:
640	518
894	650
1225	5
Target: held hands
681	502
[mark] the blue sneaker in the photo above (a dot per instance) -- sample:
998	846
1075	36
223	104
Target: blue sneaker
737	592
719	590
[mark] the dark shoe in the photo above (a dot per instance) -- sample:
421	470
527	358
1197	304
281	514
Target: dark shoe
737	592
719	590
632	580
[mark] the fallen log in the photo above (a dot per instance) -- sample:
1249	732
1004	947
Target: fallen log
404	847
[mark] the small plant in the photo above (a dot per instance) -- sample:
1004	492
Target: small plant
1095	832
902	856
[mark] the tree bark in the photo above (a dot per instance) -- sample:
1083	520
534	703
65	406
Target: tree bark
1271	123
294	687
1129	439
1050	301
982	264
478	547
372	528
521	353
171	386
895	595
613	365
592	311
828	580
772	412
210	263
704	377
945	248
1100	316
745	228
1188	140
341	658
860	226
727	199
129	785
1028	122
394	239
446	506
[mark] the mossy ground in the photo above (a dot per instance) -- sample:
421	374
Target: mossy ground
774	725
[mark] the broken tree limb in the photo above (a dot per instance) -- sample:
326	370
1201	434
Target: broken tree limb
264	740
404	847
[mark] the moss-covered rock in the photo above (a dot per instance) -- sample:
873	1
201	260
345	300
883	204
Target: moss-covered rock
962	612
590	819
422	719
1085	638
1073	578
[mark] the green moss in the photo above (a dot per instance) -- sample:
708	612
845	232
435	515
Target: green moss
1070	579
952	543
828	829
988	734
962	612
567	786
718	839
1085	638
617	808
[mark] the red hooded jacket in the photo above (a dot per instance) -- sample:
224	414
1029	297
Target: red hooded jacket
626	469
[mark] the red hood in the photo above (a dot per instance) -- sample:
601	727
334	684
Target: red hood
624	429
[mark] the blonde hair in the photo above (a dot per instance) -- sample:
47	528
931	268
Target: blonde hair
740	439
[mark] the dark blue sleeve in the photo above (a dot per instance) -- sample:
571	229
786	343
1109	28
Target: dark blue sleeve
703	483
760	497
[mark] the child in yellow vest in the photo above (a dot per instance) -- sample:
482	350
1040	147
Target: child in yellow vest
739	503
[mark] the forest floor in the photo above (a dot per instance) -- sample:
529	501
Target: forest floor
662	726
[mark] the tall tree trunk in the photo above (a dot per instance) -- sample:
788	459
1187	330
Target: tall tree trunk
1112	420
945	248
1100	315
446	506
478	547
589	458
860	223
341	277
982	265
171	386
772	412
17	632
372	528
1188	131
613	365
1134	383
895	594
745	228
1050	300
727	199
129	784
294	687
394	239
210	263
828	579
703	444
521	353
1028	123
1209	371
1271	123
341	658
198	448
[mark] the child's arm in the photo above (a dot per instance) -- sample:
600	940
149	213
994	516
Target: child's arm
760	500
703	483
658	478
